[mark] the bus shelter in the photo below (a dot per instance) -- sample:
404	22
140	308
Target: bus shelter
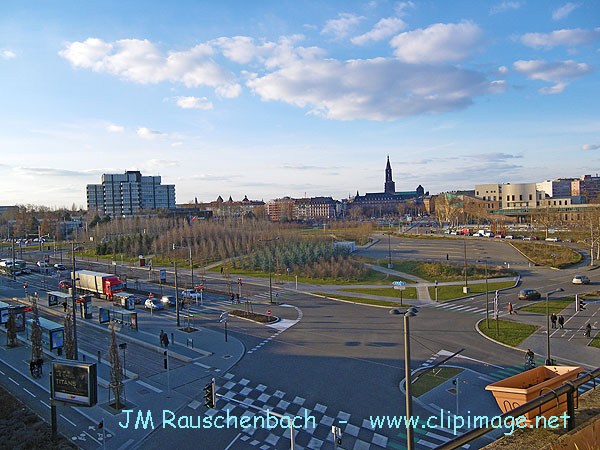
119	316
56	298
17	310
4	312
52	333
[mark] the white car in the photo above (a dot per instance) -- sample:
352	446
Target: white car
153	303
509	236
580	279
190	293
42	264
553	239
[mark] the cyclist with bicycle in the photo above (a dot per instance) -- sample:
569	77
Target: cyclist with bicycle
529	358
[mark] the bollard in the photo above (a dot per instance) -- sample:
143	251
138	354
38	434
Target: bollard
83	356
172	339
99	357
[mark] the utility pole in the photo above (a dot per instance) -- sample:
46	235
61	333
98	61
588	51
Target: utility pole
390	250
14	277
466	283
176	293
74	297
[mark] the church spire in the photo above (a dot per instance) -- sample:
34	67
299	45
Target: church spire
389	187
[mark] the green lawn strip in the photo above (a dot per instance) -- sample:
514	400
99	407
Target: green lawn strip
511	333
432	271
409	292
372	277
451	292
362	300
431	380
596	341
548	254
555	305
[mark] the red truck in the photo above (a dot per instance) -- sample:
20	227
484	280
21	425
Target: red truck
103	285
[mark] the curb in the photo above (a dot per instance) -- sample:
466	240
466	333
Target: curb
483	293
353	303
494	340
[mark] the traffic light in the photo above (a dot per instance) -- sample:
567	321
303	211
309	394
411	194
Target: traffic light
581	304
165	360
100	424
454	382
209	394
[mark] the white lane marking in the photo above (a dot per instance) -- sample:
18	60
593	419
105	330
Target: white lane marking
68	420
45	404
13	381
149	386
33	395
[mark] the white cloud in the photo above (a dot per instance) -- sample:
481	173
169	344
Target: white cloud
590	147
402	6
502	70
115	128
194	103
438	43
564	10
568	37
374	89
141	61
559	72
149	134
340	27
8	54
157	164
177	144
382	30
497	87
504	6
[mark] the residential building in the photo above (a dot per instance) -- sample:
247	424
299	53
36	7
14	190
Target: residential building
315	208
560	187
588	187
281	209
129	193
231	208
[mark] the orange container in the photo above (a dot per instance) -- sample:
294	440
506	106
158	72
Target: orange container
524	387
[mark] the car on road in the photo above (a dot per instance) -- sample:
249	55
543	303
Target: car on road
137	300
529	294
553	239
509	236
580	279
153	303
499	236
64	284
168	300
190	293
42	264
59	267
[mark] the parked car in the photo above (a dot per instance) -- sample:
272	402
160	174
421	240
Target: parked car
553	239
64	284
59	267
137	300
529	294
581	279
42	264
509	236
499	236
153	303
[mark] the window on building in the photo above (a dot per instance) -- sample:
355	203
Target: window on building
507	197
530	197
521	197
513	198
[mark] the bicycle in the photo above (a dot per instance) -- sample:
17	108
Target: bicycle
36	369
529	364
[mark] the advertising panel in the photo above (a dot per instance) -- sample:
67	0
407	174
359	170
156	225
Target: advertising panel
52	300
56	339
103	315
74	383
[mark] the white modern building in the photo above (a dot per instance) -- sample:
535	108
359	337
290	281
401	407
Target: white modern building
129	193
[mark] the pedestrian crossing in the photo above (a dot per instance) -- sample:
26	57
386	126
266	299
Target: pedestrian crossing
460	307
240	397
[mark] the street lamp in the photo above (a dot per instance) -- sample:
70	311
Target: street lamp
74	299
410	436
191	262
548	359
123	346
270	262
487	293
176	292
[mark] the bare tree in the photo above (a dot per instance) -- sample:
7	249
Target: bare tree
11	330
36	333
68	339
116	371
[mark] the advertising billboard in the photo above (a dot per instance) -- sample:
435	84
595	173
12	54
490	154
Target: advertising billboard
56	339
74	383
103	315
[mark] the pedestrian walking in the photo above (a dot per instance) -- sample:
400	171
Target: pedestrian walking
510	308
165	340
588	330
553	319
446	256
161	338
64	306
561	321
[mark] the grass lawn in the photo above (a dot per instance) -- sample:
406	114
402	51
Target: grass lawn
556	305
450	292
366	301
541	253
432	271
433	378
372	277
409	292
511	333
596	341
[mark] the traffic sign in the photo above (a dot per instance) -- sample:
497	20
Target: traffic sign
196	287
268	312
201	287
239	280
223	317
151	295
399	283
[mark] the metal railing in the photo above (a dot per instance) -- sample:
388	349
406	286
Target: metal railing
569	388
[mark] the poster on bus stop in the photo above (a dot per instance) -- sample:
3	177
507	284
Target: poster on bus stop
74	383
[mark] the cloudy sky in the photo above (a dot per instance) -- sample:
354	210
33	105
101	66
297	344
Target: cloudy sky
285	97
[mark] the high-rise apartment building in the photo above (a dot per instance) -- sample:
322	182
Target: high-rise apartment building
587	186
129	193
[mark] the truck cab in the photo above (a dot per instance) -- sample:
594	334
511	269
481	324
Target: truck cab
112	285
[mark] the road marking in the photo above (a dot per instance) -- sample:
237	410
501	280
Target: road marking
13	381
232	442
33	395
2	372
194	404
68	421
149	386
202	365
45	404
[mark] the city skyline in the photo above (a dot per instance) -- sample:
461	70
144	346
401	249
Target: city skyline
268	100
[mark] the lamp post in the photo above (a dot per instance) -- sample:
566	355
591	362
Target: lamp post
548	359
270	262
390	250
487	294
410	436
191	262
176	293
74	299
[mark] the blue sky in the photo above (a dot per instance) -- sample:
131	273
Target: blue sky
275	98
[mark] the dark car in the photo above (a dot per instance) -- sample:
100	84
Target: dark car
529	294
64	284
